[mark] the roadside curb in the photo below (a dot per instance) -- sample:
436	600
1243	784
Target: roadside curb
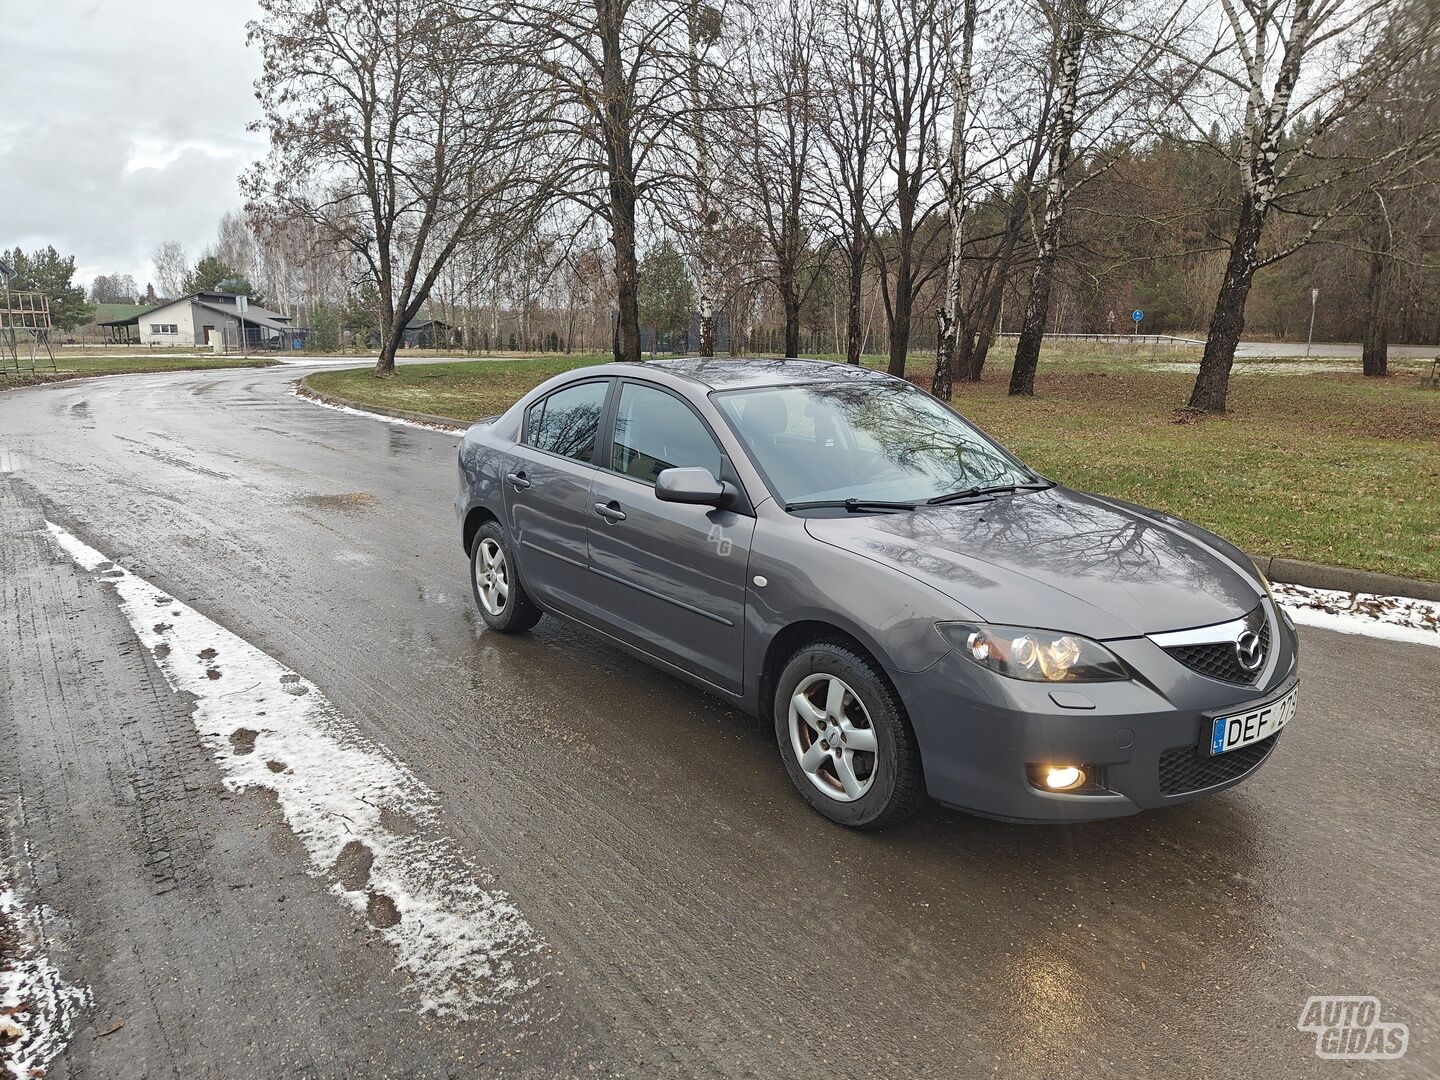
1343	578
1275	567
304	389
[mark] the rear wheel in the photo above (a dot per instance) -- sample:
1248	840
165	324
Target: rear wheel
845	739
499	595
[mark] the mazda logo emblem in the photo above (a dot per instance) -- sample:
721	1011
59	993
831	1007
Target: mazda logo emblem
1249	651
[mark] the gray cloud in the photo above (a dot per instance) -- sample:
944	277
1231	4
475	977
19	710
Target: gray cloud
124	126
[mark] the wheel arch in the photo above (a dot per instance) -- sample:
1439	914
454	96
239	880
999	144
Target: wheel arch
475	517
794	636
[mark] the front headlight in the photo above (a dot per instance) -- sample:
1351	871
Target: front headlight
1018	652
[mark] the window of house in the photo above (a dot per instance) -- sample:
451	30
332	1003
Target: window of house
164	328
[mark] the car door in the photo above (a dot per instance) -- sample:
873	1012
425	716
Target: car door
669	577
547	492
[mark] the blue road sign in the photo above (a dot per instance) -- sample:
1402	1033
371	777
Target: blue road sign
1137	314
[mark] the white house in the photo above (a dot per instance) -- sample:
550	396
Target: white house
203	318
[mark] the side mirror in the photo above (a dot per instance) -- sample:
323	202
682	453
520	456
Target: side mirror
694	486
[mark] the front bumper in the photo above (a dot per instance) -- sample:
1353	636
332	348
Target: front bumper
1140	740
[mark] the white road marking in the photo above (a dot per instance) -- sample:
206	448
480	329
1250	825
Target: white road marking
1394	618
268	727
37	1006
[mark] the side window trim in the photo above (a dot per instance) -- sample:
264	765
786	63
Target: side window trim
604	460
607	459
602	425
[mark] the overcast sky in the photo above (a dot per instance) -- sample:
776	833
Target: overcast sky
123	125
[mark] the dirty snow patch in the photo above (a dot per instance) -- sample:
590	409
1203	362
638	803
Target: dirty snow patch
462	942
1264	367
1396	618
352	411
37	1006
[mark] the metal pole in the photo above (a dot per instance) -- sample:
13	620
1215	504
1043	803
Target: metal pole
1314	296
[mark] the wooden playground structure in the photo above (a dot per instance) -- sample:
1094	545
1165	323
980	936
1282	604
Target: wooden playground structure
25	329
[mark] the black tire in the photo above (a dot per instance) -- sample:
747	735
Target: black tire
896	782
518	612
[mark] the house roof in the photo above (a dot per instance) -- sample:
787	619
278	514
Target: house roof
255	314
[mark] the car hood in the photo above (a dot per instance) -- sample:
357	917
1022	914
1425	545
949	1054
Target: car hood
1059	560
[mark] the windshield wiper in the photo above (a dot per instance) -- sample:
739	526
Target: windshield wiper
993	489
853	506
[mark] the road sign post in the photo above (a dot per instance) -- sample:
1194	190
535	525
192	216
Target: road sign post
1137	315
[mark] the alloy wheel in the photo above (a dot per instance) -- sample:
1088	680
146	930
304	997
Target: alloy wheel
492	577
833	738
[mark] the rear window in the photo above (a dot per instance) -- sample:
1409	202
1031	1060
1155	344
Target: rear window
567	421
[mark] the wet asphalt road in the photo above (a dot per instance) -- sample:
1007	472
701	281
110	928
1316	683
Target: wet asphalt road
700	920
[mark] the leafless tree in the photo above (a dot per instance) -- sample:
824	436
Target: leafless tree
617	72
911	37
394	129
1103	51
172	267
1070	21
1317	59
776	132
847	114
960	64
700	229
113	289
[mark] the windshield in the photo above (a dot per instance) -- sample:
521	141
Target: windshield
877	441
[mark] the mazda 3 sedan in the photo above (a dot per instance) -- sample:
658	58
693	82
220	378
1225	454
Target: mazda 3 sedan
916	611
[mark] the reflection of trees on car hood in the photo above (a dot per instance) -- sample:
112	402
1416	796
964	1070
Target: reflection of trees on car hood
1138	570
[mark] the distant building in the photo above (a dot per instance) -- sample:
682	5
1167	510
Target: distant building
686	342
110	319
203	318
428	333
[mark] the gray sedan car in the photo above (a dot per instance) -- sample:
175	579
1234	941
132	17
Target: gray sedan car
916	611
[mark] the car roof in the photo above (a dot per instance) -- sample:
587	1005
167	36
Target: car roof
731	373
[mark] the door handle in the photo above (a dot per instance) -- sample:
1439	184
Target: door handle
610	511
517	479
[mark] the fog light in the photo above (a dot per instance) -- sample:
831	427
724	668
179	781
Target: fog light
1063	777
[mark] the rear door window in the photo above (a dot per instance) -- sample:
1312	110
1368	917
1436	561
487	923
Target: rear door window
567	421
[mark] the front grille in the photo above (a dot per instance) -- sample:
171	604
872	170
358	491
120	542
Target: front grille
1218	659
1184	768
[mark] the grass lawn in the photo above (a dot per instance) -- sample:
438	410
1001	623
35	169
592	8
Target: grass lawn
1328	467
78	367
466	390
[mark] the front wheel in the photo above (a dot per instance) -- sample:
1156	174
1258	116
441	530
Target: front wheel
499	595
845	739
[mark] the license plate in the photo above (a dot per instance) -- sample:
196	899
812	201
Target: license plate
1235	730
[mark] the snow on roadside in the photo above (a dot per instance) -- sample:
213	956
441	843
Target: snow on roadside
296	392
1396	618
37	1007
1267	367
368	823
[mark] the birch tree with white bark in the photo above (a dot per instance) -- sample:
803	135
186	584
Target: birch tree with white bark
961	64
1281	60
